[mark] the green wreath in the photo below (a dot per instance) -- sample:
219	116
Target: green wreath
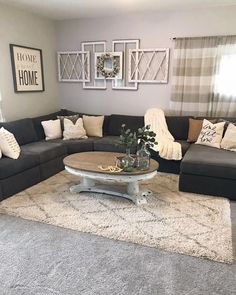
100	66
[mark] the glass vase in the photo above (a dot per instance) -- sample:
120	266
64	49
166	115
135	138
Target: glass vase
127	162
143	158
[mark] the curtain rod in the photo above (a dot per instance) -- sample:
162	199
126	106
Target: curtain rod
174	38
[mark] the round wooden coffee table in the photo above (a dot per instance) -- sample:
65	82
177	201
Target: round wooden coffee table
96	180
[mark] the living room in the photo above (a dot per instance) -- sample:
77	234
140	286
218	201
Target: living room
118	140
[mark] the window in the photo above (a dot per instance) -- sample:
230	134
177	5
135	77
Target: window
225	79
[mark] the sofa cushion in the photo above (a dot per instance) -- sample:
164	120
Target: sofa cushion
108	144
74	130
38	126
10	167
8	144
76	145
106	122
229	140
211	134
52	129
184	146
72	118
93	125
131	122
46	151
23	130
209	161
105	127
195	127
178	126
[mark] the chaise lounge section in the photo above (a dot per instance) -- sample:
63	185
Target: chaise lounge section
208	170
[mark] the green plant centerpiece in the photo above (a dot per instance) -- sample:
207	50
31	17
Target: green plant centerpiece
146	137
146	140
127	140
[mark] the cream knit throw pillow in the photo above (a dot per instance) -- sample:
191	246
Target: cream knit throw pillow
8	144
74	131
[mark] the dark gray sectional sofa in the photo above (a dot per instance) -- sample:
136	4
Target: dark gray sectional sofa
202	170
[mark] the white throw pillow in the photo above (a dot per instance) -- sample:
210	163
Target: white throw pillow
93	125
0	154
8	144
211	134
229	140
52	129
74	131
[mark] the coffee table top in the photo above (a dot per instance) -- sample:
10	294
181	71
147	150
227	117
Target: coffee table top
89	161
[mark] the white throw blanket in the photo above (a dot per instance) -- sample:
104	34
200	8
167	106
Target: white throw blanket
166	146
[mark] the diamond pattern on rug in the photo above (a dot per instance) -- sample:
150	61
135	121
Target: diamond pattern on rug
180	222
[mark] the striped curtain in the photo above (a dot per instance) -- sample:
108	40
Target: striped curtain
203	76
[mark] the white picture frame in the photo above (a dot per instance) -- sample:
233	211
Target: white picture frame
123	44
73	66
93	47
149	65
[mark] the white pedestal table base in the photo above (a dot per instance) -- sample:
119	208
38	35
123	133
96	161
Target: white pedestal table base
100	183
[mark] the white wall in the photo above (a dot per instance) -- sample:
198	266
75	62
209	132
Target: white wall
154	30
22	28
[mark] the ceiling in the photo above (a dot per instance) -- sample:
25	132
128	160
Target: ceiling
70	9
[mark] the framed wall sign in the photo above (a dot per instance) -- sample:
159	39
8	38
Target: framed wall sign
27	68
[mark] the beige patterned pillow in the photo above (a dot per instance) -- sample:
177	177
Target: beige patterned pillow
52	129
229	140
211	134
74	131
8	144
93	125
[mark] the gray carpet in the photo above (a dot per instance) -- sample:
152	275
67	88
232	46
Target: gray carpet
40	259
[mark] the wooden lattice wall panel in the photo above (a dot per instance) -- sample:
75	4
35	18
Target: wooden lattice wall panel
149	65
73	66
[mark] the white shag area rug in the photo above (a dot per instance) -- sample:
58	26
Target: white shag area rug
180	222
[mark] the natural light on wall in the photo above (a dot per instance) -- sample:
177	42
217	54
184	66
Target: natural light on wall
1	113
225	83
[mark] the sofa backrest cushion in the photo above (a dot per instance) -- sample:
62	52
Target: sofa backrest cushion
178	126
38	126
105	127
71	113
233	120
131	122
23	130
